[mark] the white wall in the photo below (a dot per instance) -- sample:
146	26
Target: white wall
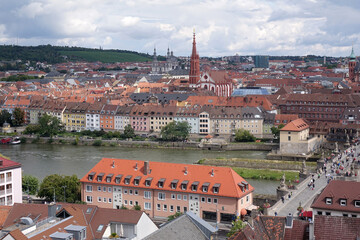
17	185
145	226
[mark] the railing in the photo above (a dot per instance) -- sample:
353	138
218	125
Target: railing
2	192
8	179
9	190
2	180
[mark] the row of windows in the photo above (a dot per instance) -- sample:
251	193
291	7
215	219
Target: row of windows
171	209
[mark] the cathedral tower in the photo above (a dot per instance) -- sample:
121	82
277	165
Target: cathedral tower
194	75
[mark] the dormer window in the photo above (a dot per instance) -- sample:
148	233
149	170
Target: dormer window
328	201
184	185
342	202
91	176
174	183
161	183
100	177
148	181
127	179
216	188
205	187
118	178
242	187
109	177
357	203
137	180
194	186
246	185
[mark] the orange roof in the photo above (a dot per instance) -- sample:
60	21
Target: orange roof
295	126
226	177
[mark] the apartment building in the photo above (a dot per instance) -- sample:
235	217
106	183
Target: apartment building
162	189
74	117
10	182
93	117
160	117
107	117
122	117
189	115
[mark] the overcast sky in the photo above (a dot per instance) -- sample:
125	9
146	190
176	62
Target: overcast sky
223	28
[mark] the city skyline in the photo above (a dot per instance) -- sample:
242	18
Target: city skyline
223	28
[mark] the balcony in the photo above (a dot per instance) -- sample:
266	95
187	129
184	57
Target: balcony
8	179
2	192
2	180
8	191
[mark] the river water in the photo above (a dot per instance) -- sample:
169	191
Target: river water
41	160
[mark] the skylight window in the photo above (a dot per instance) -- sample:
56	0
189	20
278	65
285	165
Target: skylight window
99	229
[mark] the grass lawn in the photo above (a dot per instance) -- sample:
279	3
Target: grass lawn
265	174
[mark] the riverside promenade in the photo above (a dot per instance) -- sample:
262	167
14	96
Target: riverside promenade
304	195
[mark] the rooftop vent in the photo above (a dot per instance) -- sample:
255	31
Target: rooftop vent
136	167
113	164
212	172
186	171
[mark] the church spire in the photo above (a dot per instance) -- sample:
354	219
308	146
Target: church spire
194	75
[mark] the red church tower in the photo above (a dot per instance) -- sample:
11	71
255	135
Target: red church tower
352	65
194	75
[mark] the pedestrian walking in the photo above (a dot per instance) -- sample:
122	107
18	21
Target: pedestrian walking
282	199
275	214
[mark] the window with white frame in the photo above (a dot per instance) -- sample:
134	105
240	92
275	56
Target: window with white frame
179	197
185	197
165	207
357	203
136	192
328	201
158	207
147	206
88	188
99	199
342	202
173	196
161	196
171	208
109	189
89	199
215	200
99	188
147	194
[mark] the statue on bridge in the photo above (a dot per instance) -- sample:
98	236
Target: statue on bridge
303	167
282	181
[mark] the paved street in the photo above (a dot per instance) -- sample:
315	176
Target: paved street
306	195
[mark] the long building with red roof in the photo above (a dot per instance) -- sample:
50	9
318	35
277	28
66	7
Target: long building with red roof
10	182
162	189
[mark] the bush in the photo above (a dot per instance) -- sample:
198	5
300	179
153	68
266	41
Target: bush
62	141
23	140
50	141
113	144
137	207
36	140
97	143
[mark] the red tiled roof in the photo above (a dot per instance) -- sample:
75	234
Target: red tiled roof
331	227
339	190
225	176
8	164
295	126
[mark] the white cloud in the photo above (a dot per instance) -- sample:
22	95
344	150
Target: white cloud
223	27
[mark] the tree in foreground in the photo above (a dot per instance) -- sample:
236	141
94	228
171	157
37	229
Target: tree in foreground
49	125
175	131
129	131
276	130
237	226
243	135
30	184
18	117
65	188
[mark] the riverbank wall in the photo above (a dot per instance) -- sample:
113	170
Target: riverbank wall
142	144
258	164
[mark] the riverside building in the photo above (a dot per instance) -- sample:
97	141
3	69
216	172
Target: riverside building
162	189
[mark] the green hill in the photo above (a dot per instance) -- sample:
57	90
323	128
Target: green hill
56	54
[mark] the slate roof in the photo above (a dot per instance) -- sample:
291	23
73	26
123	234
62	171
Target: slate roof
187	226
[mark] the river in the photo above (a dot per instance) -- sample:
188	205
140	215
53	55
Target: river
41	160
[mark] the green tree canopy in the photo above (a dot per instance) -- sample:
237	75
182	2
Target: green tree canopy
18	117
276	130
49	125
237	226
5	116
59	184
243	135
30	184
129	131
175	131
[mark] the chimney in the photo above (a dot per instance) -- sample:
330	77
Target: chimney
51	210
113	164
186	171
146	167
212	172
136	167
289	221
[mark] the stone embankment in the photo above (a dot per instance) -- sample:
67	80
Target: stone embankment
257	164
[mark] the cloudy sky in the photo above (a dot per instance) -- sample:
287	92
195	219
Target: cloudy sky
223	27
